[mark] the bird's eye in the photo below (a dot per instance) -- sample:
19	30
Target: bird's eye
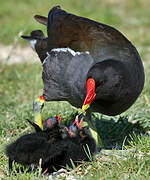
101	83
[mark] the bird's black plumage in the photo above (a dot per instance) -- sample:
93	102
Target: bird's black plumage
112	59
53	145
80	49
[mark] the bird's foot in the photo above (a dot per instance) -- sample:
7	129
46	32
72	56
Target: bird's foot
93	130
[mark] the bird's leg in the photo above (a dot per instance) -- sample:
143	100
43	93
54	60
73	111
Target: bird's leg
38	105
93	129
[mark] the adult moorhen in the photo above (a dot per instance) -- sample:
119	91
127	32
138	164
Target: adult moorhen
89	63
112	71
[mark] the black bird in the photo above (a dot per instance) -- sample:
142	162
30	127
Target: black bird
54	146
90	63
112	70
29	148
38	43
49	123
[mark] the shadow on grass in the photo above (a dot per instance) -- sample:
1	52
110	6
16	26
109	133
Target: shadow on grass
115	133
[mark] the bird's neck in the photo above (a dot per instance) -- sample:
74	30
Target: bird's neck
41	49
33	43
93	129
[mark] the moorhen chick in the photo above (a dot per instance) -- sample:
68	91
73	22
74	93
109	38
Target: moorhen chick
55	146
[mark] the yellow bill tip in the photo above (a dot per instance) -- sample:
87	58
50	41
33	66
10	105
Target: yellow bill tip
85	107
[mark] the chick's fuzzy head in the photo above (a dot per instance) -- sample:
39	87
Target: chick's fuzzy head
52	122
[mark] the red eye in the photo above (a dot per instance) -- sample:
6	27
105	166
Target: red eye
101	83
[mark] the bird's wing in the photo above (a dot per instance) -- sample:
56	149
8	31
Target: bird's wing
41	19
79	33
23	147
36	127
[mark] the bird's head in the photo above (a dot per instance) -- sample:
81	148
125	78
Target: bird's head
34	37
72	131
38	104
77	126
104	79
52	122
95	78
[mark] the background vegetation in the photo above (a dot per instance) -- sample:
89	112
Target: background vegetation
21	83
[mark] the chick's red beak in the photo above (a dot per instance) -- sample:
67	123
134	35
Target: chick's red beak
90	95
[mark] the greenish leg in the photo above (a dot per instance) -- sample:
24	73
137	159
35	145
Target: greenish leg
38	105
93	129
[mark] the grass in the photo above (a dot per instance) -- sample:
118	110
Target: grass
20	84
130	17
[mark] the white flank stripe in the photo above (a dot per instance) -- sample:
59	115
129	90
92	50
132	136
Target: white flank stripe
66	50
48	55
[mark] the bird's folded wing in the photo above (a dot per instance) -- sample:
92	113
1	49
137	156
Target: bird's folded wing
79	33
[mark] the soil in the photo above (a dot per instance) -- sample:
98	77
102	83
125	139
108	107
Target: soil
17	54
